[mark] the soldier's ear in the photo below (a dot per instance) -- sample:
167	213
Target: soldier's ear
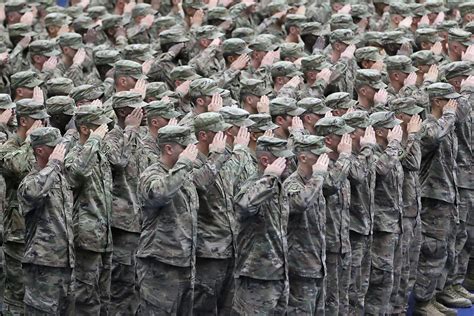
168	149
328	140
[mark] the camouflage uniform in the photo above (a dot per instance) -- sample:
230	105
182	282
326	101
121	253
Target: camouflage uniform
45	201
46	48
88	171
337	194
262	251
16	160
306	235
388	210
166	251
73	71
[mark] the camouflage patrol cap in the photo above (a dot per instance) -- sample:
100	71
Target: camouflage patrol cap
373	38
164	22
20	30
173	36
262	44
370	53
417	9
86	92
313	105
142	9
181	135
401	63
466	8
60	105
469	27
394	37
345	36
83	23
360	11
162	109
235	46
400	9
43	48
74	11
382	1
31	108
72	40
457	69
315	62
342	21
435	6
384	119
442	90
129	68
277	6
138	52
285	69
6	102
157	90
218	13
45	136
194	4
285	106
244	33
203	87
124	99
210	122
56	9
332	125
106	57
96	12
292	50
276	146
423	57
295	20
263	122
111	20
370	77
427	34
256	87
184	73
296	3
208	32
405	105
15	6
236	116
59	86
461	36
91	114
446	25
356	119
56	19
28	79
310	143
340	100
313	28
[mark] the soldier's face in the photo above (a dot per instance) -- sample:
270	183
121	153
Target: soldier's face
12	118
356	135
13	17
468	17
456	82
423	69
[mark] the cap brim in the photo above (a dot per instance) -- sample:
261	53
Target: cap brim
34	84
8	106
138	77
244	51
453	95
52	53
296	112
224	127
322	111
102	120
39	116
216	35
171	114
393	123
379	85
295	73
321	151
346	129
410	70
283	154
245	123
414	110
189	141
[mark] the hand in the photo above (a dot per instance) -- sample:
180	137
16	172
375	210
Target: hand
406	22
172	122
437	48
212	4
50	64
293	82
216	42
24	42
183	88
190	152
424	21
129	7
328	114
276	168
38	95
58	153
362	25
414	125
4	58
91	36
378	65
147	21
268	59
120	32
345	9
243	137
84	3
368	138
36	124
296	125
452	105
97	103
469	54
241	62
146	66
381	96
263	106
432	74
140	87
345	145
218	143
79	57
176	48
395	133
405	49
134	119
321	164
2	12
297	62
279	15
320	43
269	133
5	116
100	131
27	18
468	82
216	103
324	75
63	29
301	10
439	19
226	3
197	18
349	52
410	80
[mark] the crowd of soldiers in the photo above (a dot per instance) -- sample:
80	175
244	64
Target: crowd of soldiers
236	157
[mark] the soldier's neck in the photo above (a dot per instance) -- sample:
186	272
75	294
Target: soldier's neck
203	148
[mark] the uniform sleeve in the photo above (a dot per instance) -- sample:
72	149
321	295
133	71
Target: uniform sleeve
119	145
254	193
302	198
80	162
16	161
360	164
388	158
411	157
337	174
206	174
434	131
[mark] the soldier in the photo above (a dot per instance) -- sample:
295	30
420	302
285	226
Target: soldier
340	103
371	93
23	84
61	110
251	93
315	109
317	75
337	194
368	57
423	60
458	42
388	210
46	203
88	172
85	94
236	57
72	59
306	227
284	112
16	160
261	270
207	58
401	74
44	58
281	72
7	114
59	87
